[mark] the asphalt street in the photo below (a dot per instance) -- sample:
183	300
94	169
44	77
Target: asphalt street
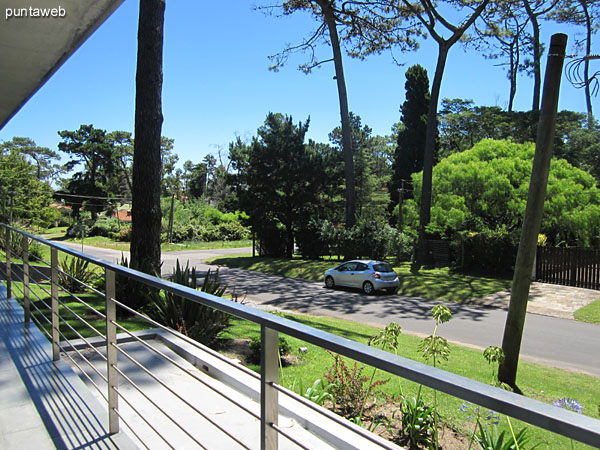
551	341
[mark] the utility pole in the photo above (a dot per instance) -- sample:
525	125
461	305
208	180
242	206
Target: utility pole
401	192
12	201
534	211
170	233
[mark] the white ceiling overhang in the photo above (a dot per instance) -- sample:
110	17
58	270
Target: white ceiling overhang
33	48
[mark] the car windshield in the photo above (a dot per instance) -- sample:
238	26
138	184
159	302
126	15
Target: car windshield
382	267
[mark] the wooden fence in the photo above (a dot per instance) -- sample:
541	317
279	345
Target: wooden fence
578	267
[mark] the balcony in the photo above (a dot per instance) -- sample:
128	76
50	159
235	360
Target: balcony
158	389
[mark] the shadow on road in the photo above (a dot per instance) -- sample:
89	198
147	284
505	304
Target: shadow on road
312	297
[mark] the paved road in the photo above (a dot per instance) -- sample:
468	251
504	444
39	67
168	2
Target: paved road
548	340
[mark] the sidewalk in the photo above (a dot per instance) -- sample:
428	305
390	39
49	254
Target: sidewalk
545	299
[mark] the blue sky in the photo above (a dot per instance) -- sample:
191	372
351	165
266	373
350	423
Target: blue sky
217	84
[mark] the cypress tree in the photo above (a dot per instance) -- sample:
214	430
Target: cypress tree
410	146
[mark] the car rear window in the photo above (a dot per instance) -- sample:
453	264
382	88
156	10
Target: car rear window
382	267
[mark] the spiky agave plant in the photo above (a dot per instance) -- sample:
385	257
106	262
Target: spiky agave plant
199	322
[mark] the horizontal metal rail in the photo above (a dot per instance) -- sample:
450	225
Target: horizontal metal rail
289	436
195	344
566	423
43	276
82	320
163	384
79	282
152	427
183	369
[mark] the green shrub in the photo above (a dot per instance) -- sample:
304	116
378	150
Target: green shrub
272	240
313	239
123	235
402	246
232	231
491	252
255	346
370	238
190	318
16	246
73	269
183	233
104	226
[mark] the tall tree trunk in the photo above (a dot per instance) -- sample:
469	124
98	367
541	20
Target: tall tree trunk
517	309
514	70
290	241
344	112
537	56
145	211
586	67
430	141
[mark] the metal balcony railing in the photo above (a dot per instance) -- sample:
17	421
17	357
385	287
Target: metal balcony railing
566	423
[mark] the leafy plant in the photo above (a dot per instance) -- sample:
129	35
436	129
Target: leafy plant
350	388
191	318
318	392
436	347
388	339
255	346
494	354
73	269
371	426
418	421
489	438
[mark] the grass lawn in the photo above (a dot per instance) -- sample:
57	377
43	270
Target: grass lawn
589	313
193	245
104	242
438	283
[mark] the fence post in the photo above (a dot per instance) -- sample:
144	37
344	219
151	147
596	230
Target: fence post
26	304
269	401
54	303
8	265
111	352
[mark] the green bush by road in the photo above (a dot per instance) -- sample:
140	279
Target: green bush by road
438	283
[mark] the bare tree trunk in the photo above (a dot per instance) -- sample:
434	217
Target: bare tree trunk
514	70
517	310
586	67
430	140
146	213
344	112
537	56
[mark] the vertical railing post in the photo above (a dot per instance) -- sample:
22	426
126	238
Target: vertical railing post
269	402
26	304
111	352
54	303
8	265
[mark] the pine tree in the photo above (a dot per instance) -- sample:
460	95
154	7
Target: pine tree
410	147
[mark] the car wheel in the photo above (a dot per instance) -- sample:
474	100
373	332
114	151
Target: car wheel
392	290
368	287
329	282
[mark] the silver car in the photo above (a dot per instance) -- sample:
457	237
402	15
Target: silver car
369	276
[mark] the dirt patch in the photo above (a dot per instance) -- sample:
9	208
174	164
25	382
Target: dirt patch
239	350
